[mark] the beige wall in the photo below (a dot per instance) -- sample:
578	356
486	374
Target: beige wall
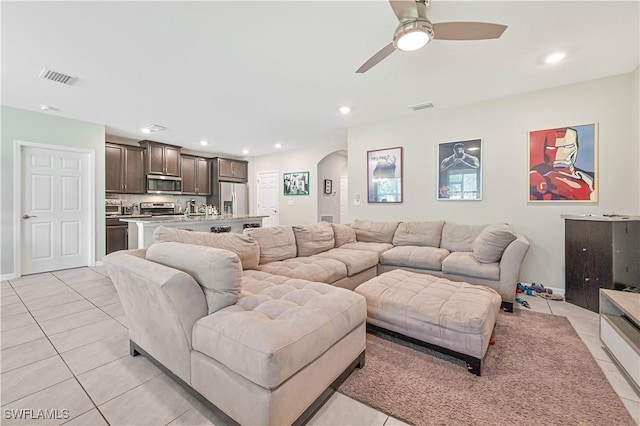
304	209
503	125
331	167
27	126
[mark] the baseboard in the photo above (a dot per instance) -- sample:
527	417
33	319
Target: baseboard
5	277
99	263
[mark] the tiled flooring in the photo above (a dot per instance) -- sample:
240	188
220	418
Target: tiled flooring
65	347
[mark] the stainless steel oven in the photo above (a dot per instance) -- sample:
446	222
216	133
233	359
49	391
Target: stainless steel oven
158	184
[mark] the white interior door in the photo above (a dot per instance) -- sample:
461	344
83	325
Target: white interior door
268	198
344	198
54	210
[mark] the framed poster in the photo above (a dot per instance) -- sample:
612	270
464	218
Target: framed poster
296	183
563	164
460	170
384	171
328	186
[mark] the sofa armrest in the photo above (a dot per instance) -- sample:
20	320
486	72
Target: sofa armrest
161	305
510	266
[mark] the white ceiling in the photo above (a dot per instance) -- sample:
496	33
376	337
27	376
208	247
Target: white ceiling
249	74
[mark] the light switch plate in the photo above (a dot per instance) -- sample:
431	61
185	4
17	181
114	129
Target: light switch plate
290	202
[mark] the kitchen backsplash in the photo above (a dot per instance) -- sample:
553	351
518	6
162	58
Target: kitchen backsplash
129	199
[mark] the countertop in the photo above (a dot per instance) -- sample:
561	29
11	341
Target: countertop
191	218
602	218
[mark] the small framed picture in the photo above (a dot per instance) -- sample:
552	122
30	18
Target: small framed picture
296	183
328	186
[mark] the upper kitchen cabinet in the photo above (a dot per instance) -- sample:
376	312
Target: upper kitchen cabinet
227	170
162	159
196	175
124	169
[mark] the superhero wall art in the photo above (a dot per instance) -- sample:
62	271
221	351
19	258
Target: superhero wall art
563	164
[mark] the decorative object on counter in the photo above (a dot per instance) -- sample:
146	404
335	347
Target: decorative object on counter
328	186
460	170
296	183
384	171
563	164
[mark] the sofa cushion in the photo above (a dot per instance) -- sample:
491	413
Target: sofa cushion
374	232
313	239
356	261
276	243
244	246
308	268
492	242
343	234
377	248
415	257
426	233
459	237
217	271
465	263
278	327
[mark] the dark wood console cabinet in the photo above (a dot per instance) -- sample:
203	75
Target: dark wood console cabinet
600	252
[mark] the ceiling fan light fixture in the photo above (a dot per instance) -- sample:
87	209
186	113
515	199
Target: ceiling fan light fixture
412	35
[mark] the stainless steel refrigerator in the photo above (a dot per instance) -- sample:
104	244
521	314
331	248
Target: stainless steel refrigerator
231	198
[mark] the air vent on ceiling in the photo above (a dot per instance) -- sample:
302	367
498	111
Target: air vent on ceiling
58	77
418	107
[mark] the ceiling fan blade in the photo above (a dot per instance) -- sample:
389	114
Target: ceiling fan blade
467	30
404	9
382	53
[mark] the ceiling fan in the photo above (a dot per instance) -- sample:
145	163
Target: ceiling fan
415	30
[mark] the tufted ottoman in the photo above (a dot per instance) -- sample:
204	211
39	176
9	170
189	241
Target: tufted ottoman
454	318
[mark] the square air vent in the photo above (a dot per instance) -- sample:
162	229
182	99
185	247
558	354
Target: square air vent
58	77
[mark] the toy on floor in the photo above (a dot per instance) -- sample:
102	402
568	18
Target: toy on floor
523	302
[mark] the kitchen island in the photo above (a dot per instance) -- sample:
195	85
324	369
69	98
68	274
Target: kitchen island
141	229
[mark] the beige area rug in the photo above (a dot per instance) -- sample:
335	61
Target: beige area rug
539	372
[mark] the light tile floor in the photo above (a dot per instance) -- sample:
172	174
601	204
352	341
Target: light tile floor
65	346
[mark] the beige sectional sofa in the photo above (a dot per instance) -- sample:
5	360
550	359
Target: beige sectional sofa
258	324
347	255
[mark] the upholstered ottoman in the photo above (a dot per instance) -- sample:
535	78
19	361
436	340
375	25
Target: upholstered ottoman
454	318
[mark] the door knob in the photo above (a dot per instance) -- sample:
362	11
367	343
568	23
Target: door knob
26	216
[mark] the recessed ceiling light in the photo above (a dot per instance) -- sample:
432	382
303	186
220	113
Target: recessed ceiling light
45	107
204	143
245	151
345	110
554	57
278	145
152	128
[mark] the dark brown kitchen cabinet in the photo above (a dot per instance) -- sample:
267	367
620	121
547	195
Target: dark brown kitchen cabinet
162	159
228	170
124	169
600	254
196	175
116	236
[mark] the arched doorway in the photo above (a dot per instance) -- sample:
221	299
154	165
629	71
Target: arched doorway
333	175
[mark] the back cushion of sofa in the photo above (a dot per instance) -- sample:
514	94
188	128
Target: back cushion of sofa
313	239
492	242
459	237
425	234
276	243
374	232
343	234
217	271
244	246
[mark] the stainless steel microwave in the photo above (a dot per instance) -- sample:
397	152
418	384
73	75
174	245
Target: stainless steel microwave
158	184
